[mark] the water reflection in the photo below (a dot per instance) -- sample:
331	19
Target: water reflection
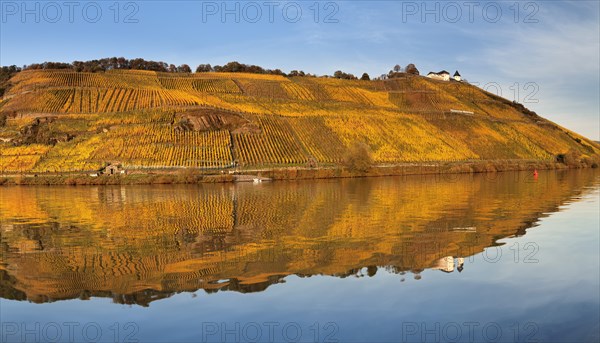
138	244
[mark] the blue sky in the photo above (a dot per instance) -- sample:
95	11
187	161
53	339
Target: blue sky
547	50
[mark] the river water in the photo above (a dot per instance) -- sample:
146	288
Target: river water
462	258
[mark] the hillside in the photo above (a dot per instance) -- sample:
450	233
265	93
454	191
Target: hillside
65	121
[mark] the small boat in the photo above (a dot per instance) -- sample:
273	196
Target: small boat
256	180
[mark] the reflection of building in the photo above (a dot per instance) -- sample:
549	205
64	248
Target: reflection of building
460	262
464	229
445	264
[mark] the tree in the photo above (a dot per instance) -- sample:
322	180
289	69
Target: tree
365	77
276	72
233	67
105	64
294	73
184	68
396	72
204	68
5	74
358	157
122	63
412	69
172	68
341	75
236	67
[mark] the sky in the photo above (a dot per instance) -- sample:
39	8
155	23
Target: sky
544	54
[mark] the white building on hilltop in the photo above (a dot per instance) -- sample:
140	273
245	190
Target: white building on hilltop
457	77
442	75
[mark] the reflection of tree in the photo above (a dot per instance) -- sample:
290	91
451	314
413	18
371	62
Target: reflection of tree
147	243
8	287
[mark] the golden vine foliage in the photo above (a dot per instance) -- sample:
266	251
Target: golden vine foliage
297	119
276	144
17	159
152	145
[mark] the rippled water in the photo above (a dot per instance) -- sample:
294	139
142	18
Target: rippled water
495	257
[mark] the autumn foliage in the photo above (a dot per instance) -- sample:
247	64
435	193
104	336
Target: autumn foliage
132	117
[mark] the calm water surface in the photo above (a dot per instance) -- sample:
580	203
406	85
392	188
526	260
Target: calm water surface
497	257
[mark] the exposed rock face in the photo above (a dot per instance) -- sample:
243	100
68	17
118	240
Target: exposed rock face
39	132
210	119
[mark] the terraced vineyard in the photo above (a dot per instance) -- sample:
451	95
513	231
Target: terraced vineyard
138	119
95	100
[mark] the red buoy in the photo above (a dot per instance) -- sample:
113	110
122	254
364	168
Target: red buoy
535	174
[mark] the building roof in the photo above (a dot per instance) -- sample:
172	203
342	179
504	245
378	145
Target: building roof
443	72
439	73
456	74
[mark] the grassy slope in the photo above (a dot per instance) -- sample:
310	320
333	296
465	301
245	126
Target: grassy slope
130	117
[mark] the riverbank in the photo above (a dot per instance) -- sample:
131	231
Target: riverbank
191	176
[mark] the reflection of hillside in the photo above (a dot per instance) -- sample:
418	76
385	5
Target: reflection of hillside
138	244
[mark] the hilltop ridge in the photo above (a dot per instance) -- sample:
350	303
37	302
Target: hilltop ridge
67	121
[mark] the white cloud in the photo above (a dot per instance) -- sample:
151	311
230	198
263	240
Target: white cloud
561	54
563	50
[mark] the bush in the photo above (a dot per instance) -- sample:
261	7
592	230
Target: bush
188	175
411	69
312	163
571	158
358	158
71	181
592	161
